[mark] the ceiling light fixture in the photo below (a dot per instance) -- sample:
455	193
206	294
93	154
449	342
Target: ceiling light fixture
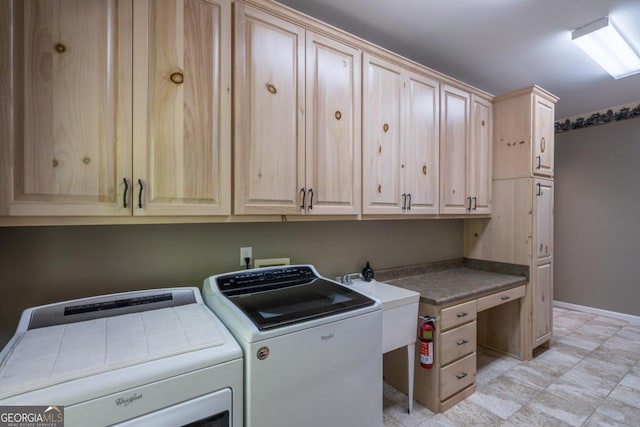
604	44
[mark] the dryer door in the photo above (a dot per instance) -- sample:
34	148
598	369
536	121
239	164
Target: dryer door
210	410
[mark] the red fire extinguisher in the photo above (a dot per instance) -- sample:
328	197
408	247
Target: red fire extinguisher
426	343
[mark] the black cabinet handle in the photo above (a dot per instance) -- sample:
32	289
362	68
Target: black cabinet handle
539	161
311	198
404	201
539	193
124	196
469	200
408	201
475	203
140	193
304	196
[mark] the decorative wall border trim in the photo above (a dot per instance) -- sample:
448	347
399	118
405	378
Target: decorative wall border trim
596	119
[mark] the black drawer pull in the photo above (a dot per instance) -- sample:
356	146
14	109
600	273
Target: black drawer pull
505	297
463	314
461	375
462	342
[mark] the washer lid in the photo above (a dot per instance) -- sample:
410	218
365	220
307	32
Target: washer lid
50	355
315	298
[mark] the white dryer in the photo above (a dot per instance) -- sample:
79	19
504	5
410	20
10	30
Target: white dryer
146	358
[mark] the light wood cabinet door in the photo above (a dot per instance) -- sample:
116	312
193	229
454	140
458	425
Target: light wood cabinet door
480	154
543	136
182	139
382	136
333	127
66	107
454	136
542	303
421	145
269	113
543	224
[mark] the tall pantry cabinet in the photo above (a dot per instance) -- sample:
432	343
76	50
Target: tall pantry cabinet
521	229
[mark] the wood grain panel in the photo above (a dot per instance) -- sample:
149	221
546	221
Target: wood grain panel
333	126
71	107
269	122
383	86
182	96
480	155
543	136
454	135
420	162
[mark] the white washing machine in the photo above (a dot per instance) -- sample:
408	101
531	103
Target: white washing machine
313	347
147	358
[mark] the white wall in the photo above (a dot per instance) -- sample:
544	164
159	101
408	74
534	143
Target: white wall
597	217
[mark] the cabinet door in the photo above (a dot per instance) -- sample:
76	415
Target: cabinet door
182	109
543	226
480	155
269	113
383	87
66	107
543	134
333	145
454	135
421	144
542	311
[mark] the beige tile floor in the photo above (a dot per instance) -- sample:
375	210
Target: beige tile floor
589	377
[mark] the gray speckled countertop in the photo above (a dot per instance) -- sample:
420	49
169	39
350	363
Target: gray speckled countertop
457	283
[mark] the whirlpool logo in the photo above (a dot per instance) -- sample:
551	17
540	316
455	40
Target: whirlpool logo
126	401
31	416
327	337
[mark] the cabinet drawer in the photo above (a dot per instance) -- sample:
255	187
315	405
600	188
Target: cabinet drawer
457	376
457	342
500	298
457	315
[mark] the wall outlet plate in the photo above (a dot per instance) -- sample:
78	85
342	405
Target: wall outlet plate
271	262
245	252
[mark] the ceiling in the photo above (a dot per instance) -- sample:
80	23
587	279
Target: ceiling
496	45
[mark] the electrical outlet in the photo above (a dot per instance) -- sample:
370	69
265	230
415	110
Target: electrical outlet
245	253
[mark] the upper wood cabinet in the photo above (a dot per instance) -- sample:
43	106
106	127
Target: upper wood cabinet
524	134
182	107
333	127
465	153
454	136
269	113
66	107
286	163
480	155
75	149
543	135
400	139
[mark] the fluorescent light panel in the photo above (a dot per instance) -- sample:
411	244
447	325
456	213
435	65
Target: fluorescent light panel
604	44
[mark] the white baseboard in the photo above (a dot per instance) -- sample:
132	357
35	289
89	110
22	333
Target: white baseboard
585	309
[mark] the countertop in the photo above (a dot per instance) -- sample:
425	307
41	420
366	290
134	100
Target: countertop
456	283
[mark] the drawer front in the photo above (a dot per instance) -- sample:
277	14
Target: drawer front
457	315
500	298
457	376
457	342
